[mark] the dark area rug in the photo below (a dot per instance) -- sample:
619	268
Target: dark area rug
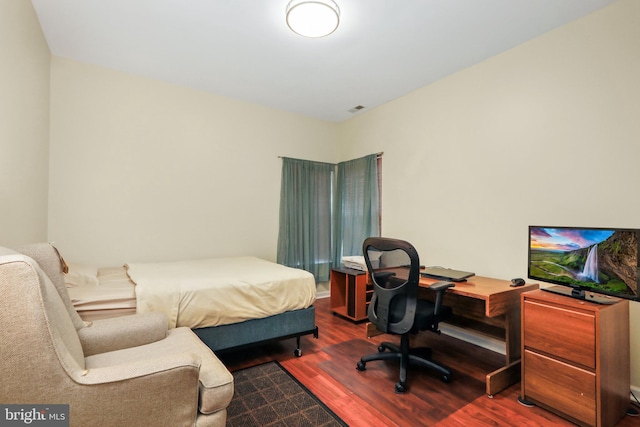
268	395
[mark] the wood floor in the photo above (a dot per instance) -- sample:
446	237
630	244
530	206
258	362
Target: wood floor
328	368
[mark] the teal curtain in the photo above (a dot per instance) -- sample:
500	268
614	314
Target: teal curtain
357	201
304	237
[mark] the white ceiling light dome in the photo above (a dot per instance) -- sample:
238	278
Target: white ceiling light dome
313	18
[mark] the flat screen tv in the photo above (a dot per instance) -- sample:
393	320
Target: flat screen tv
594	264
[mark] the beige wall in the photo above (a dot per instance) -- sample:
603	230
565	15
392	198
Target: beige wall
143	170
24	130
545	134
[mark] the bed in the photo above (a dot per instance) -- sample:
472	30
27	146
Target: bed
228	302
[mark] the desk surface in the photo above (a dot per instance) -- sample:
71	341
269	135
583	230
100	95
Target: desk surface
498	295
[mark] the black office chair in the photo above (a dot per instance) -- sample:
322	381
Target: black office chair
394	267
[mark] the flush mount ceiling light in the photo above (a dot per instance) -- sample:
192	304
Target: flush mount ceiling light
313	18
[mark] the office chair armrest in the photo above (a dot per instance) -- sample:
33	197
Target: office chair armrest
439	288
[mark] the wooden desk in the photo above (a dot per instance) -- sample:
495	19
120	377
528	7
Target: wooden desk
492	307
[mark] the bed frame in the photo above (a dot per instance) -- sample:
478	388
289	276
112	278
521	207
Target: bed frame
289	324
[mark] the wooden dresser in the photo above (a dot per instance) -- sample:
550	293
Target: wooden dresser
575	357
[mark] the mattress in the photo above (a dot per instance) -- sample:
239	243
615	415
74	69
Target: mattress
220	291
196	294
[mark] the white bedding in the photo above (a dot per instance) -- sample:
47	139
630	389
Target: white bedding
219	291
100	293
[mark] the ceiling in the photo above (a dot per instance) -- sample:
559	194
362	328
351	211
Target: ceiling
243	49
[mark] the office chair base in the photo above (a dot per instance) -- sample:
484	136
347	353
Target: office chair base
414	356
421	352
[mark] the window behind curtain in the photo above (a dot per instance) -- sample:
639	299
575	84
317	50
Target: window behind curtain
357	207
304	237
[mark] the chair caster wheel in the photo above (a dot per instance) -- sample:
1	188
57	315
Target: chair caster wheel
361	366
380	349
400	388
446	378
297	352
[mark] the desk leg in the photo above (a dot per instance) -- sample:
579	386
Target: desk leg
510	374
513	334
503	378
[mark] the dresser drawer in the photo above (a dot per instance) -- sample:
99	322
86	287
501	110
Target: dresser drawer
560	332
559	385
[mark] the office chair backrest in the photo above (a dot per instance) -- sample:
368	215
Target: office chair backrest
394	267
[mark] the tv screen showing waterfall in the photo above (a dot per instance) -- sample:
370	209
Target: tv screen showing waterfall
601	260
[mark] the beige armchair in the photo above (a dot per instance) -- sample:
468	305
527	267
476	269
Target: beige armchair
127	371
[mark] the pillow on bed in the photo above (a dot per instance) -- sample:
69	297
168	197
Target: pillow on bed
81	275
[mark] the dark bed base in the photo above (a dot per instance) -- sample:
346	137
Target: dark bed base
289	324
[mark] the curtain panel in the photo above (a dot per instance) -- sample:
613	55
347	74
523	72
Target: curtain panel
304	237
357	201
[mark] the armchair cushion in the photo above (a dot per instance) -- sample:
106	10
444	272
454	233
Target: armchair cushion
101	336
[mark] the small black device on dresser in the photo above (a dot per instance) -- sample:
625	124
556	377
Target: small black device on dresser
517	282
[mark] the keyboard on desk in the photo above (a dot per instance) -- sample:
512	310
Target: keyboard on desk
446	274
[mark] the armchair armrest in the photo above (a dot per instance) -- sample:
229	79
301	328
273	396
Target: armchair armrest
155	391
104	335
110	373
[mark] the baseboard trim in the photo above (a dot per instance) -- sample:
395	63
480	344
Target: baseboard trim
323	294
